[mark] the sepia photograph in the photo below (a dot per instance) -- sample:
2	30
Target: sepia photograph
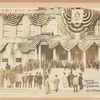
49	51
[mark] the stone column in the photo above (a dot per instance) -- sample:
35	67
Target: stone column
97	28
1	28
24	58
84	59
99	54
40	55
69	55
11	58
1	36
54	54
25	27
35	54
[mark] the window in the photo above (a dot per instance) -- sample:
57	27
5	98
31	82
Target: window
18	59
5	60
19	29
6	31
4	57
33	30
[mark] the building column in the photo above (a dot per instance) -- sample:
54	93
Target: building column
25	27
40	55
35	53
24	58
1	28
99	54
84	59
97	28
11	59
54	54
69	55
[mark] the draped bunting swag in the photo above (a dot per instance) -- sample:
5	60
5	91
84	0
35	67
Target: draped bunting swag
2	46
12	19
90	18
26	47
62	26
66	43
23	47
38	19
85	44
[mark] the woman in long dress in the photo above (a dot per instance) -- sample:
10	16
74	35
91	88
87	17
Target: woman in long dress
47	85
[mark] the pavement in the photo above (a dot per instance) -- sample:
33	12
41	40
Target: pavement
89	74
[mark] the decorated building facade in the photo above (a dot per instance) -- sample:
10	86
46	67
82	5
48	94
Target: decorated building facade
49	33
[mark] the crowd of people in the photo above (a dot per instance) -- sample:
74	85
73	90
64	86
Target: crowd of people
21	76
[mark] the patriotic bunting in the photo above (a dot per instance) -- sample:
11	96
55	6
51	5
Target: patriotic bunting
2	46
64	41
85	44
38	19
85	21
12	19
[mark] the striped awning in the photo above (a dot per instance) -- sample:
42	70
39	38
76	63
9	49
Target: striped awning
12	19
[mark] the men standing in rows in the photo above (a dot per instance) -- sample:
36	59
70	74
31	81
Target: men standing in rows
40	80
56	83
80	81
45	77
1	78
7	66
24	79
82	67
75	83
30	80
12	77
19	80
36	80
70	79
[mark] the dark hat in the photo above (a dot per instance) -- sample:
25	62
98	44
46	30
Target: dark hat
80	73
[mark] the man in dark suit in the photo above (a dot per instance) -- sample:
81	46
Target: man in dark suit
24	79
80	81
36	80
30	79
40	80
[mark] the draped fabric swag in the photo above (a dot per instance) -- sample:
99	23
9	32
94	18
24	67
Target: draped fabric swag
26	47
85	44
12	19
88	23
64	41
2	46
38	19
